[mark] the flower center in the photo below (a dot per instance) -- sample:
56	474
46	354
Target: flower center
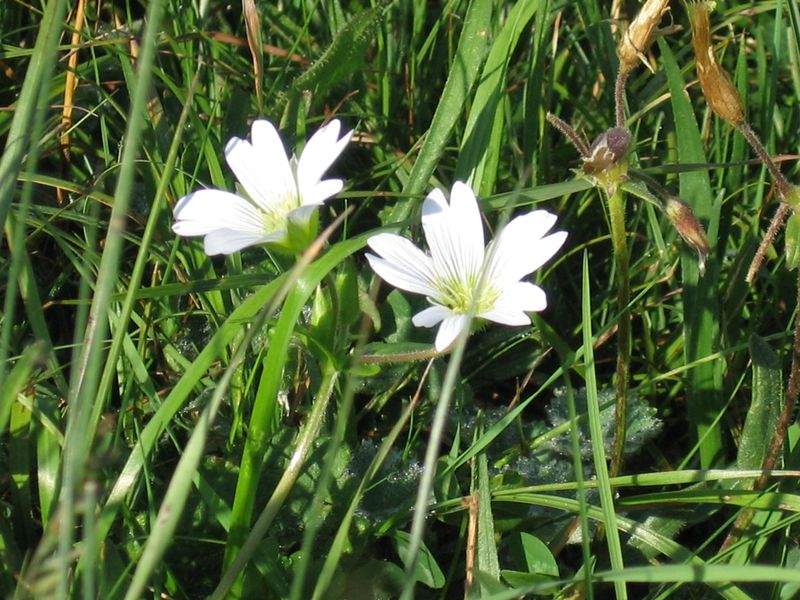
458	294
274	219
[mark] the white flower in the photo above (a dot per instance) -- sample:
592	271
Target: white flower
460	274
280	194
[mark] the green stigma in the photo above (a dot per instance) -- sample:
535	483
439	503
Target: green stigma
458	294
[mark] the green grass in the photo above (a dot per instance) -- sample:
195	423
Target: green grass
174	425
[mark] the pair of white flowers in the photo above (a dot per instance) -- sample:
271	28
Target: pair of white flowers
462	278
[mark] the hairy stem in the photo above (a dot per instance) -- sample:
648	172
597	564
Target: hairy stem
616	210
769	237
619	96
784	188
569	133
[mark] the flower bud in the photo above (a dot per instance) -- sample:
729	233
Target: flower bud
686	223
720	93
792	197
640	34
608	150
792	242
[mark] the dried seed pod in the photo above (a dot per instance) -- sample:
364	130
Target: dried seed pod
718	89
689	227
640	34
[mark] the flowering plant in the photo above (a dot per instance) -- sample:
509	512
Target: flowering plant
461	277
277	197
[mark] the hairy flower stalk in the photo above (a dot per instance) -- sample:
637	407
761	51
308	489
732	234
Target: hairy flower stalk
605	163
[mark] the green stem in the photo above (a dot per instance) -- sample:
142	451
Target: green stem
616	211
306	440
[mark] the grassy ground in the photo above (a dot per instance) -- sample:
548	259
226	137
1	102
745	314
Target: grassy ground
174	425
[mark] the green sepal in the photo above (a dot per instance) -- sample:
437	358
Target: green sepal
792	242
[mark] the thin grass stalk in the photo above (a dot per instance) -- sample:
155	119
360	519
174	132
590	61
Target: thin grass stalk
92	544
431	458
142	258
616	213
321	493
470	55
181	482
83	390
596	433
577	465
230	581
22	128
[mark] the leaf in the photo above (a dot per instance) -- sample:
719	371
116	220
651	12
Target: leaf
372	580
764	406
533	553
343	57
18	378
463	73
427	572
792	241
486	559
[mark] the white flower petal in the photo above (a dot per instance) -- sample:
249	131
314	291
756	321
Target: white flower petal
205	211
228	241
320	151
449	330
401	276
517	300
262	168
322	191
520	248
404	254
431	316
454	233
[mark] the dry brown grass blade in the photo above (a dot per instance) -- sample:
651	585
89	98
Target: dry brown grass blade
71	79
252	24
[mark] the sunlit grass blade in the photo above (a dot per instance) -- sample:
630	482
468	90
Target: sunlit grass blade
469	56
700	306
481	147
596	432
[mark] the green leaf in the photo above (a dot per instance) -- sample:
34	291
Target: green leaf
427	572
371	580
764	407
343	57
481	147
533	553
17	379
486	559
522	579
